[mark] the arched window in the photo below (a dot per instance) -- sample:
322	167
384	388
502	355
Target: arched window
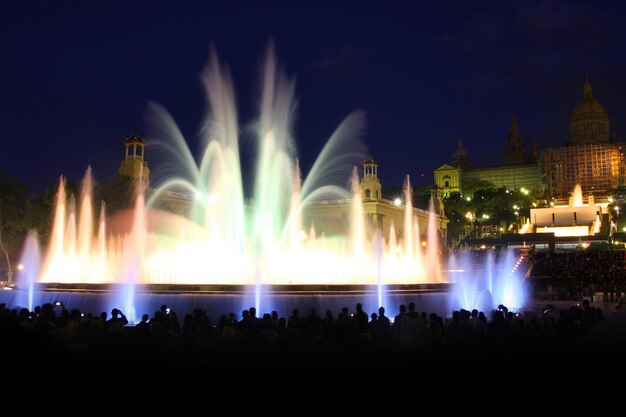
367	194
376	195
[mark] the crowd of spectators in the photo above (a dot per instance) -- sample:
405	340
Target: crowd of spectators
59	335
576	275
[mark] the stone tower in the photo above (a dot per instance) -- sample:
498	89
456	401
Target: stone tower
370	184
134	165
514	152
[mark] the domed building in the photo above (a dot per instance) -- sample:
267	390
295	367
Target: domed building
460	158
592	158
589	123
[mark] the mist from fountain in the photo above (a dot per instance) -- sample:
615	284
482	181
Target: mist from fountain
28	270
488	282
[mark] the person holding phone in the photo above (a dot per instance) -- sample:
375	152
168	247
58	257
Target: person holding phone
117	317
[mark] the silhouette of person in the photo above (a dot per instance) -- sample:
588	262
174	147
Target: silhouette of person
117	317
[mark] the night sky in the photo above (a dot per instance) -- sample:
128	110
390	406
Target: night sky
75	78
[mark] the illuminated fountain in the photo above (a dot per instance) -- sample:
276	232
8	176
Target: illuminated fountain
224	244
28	271
574	219
263	252
487	284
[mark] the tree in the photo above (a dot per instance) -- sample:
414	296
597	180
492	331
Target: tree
117	193
470	186
14	221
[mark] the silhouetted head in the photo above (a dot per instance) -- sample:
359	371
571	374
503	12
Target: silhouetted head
145	318
411	306
402	308
474	313
359	307
252	311
115	312
381	311
374	316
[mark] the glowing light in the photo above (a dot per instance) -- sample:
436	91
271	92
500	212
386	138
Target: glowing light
397	202
20	267
565	230
468	198
485	216
483	247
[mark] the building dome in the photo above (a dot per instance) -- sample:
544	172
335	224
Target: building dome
589	123
460	157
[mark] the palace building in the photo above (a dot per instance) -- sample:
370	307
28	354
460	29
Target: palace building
520	169
591	157
332	216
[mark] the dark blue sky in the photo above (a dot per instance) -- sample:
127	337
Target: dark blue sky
75	77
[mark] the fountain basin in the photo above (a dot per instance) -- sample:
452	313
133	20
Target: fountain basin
218	300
